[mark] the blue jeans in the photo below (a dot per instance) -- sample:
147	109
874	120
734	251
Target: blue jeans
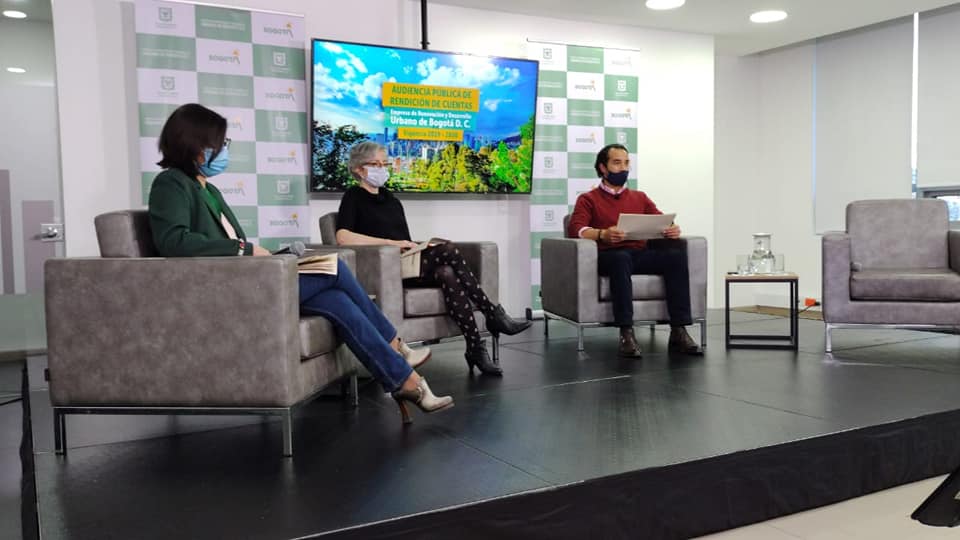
620	265
358	322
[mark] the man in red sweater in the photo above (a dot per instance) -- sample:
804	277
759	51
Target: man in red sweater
595	217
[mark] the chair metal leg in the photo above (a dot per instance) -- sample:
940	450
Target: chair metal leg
703	334
653	327
579	338
829	337
354	392
546	325
287	423
59	432
496	348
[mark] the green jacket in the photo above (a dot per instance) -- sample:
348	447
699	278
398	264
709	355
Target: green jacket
184	224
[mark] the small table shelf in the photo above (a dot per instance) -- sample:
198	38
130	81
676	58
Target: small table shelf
748	341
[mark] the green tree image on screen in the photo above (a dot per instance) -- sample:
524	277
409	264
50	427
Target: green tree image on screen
453	168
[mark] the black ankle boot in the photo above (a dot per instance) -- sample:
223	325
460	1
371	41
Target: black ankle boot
479	357
501	323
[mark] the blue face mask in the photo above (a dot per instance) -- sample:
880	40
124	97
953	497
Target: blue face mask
219	163
618	178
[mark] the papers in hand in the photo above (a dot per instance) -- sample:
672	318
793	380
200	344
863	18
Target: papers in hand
644	226
318	264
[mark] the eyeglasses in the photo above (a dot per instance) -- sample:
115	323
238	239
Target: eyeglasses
226	142
376	164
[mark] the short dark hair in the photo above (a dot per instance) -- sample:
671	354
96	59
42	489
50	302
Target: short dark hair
190	130
603	156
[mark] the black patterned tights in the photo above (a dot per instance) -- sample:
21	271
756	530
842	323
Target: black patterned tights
445	265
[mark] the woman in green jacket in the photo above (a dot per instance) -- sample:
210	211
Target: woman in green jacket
189	218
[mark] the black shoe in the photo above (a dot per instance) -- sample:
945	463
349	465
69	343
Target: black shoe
480	358
628	344
501	323
681	342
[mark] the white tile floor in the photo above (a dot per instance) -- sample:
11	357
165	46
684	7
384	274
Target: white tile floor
881	516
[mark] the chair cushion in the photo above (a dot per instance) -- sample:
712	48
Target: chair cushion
923	285
645	287
421	302
898	233
317	337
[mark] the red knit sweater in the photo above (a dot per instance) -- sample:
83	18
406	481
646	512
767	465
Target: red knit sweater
598	209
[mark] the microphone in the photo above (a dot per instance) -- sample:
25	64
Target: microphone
296	248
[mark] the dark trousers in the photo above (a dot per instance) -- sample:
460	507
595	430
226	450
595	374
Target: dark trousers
620	264
443	265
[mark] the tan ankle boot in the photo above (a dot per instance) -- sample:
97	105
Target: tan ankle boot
423	398
414	357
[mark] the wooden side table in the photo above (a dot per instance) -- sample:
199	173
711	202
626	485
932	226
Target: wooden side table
736	341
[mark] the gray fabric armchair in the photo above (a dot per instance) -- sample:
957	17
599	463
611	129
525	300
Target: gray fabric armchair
134	333
572	291
418	313
896	266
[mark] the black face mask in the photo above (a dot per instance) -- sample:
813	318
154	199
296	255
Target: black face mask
617	179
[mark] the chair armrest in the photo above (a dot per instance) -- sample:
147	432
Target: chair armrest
568	278
484	259
696	247
211	331
836	275
378	271
953	242
347	255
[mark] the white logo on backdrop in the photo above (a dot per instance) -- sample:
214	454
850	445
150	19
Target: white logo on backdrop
280	59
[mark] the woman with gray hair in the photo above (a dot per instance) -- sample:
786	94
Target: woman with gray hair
370	214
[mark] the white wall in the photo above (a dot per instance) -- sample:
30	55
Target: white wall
763	175
98	113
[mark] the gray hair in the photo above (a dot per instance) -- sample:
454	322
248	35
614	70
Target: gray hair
361	153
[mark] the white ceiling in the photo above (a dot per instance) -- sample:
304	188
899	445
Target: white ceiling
725	19
36	10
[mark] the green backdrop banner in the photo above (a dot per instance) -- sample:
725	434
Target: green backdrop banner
586	98
249	66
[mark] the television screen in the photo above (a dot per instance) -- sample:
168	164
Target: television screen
451	123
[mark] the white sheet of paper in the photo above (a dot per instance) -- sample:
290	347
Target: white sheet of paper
644	226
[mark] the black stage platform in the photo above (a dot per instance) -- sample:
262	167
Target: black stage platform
566	445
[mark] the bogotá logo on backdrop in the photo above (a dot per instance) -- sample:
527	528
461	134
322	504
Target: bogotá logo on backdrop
280	59
549	216
591	86
283	187
165	14
548	108
621	85
237	189
547	53
233	58
235	123
281	123
622	137
289	159
548	163
289	95
627	114
168	83
285	30
589	139
292	221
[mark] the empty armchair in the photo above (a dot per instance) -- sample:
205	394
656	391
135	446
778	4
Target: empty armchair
896	265
418	313
571	289
230	341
